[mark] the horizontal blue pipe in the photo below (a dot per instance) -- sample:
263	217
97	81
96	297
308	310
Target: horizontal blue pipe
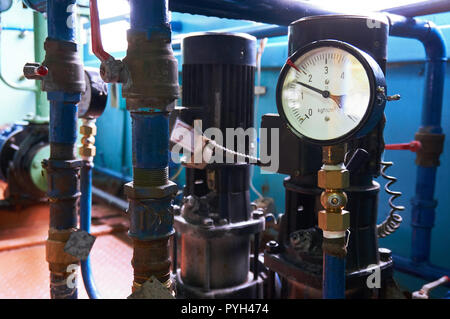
281	12
85	224
16	29
333	285
61	20
260	31
150	140
425	271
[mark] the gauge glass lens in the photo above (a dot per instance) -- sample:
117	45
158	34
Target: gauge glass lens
325	93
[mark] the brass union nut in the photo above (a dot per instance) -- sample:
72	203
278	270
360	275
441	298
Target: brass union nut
328	179
88	151
334	221
88	130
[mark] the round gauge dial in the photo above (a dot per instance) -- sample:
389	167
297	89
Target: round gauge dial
327	92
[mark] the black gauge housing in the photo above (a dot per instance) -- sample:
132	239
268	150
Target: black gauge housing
94	98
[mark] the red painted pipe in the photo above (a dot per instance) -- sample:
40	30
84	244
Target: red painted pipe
96	36
412	146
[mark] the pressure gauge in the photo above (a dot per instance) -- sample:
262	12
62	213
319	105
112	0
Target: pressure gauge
330	91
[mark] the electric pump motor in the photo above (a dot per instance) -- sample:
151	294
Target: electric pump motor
23	146
216	223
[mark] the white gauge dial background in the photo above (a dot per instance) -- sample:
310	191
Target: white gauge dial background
327	69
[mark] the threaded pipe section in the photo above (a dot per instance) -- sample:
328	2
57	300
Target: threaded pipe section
145	177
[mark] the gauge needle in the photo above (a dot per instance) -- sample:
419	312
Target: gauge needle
338	99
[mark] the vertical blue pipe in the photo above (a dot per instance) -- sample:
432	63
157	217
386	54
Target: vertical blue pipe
149	16
63	133
85	224
333	277
423	211
61	20
150	135
63	117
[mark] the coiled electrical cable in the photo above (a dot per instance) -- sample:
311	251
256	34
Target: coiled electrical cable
393	221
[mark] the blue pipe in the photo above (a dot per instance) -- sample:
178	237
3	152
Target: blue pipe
281	12
16	29
85	224
150	16
62	165
333	283
423	211
258	31
150	140
61	20
422	270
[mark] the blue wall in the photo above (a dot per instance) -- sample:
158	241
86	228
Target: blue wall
405	75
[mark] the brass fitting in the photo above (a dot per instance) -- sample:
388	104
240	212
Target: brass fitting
333	179
87	149
57	258
333	201
334	221
333	155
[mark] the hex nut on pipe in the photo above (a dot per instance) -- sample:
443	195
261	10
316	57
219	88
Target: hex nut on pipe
338	179
334	221
151	192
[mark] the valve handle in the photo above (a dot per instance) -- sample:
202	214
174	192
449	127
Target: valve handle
34	71
412	146
96	36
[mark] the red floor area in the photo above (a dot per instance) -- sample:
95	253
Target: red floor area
24	271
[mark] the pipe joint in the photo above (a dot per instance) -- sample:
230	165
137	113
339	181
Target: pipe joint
63	179
65	69
87	149
151	218
152	73
57	258
152	258
432	147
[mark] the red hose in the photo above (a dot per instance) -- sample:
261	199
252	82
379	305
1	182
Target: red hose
97	46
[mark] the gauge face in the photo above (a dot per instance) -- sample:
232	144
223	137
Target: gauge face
325	92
